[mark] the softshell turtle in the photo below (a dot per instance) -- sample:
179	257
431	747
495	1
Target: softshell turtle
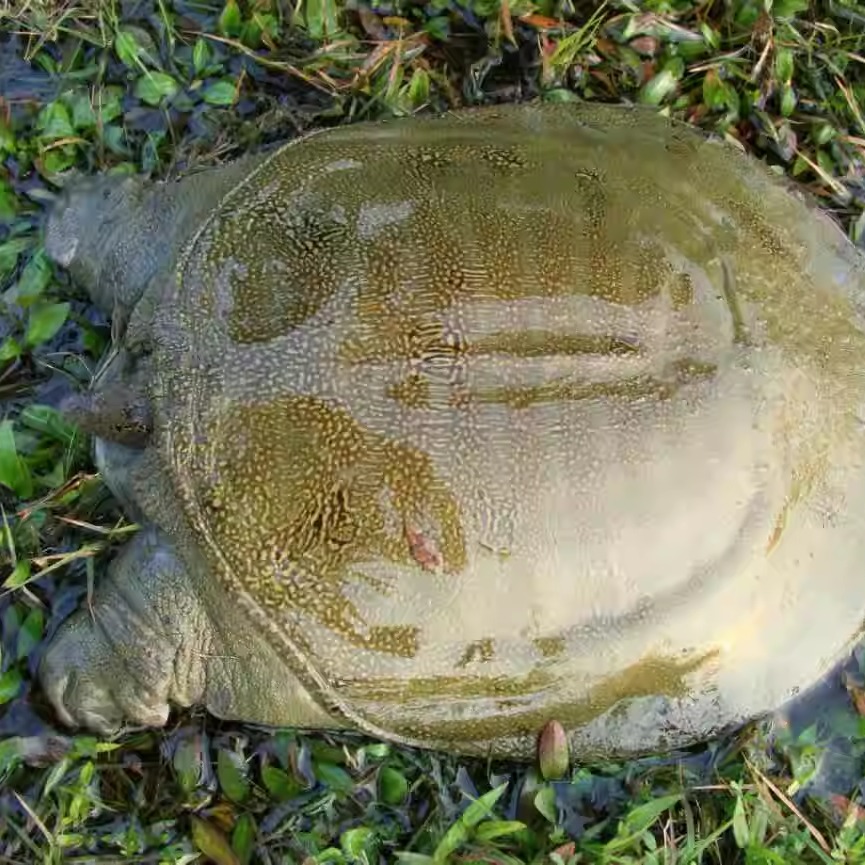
440	428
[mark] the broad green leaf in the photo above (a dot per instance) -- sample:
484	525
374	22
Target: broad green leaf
243	838
788	100
127	49
824	133
85	773
418	87
187	764
7	137
19	576
115	140
718	93
639	819
438	28
658	88
759	823
334	777
220	93
545	803
10	622
107	103
90	746
95	343
279	784
55	122
83	115
30	633
200	55
784	65
461	830
11	753
266	23
10	685
153	87
55	775
231	771
358	844
392	785
250	34
135	47
825	161
643	816
14	472
9	254
48	422
317	17
740	825
710	36
9	349
8	201
34	279
58	159
45	320
498	828
70	839
482	806
230	21
789	8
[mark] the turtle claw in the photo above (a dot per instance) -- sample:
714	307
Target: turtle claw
82	698
115	662
77	701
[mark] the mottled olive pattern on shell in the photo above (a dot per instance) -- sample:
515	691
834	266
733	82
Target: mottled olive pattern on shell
541	411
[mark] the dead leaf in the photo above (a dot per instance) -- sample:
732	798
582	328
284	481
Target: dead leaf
371	24
856	692
542	22
506	22
645	45
212	842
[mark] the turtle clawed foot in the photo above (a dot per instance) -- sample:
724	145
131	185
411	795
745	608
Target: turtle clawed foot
88	688
77	705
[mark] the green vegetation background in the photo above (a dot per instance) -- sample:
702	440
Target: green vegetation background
163	86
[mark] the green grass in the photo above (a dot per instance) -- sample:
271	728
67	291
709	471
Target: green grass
161	87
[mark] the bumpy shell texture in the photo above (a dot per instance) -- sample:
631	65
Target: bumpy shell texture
527	413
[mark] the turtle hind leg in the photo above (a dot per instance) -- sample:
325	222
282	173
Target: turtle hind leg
158	636
139	646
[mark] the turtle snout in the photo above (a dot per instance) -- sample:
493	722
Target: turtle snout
62	239
81	216
118	413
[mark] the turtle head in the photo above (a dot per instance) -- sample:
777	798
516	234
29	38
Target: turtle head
105	230
118	412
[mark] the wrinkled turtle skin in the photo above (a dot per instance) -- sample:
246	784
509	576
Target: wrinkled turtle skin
442	428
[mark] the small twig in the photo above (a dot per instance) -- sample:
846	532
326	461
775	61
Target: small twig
269	64
815	833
